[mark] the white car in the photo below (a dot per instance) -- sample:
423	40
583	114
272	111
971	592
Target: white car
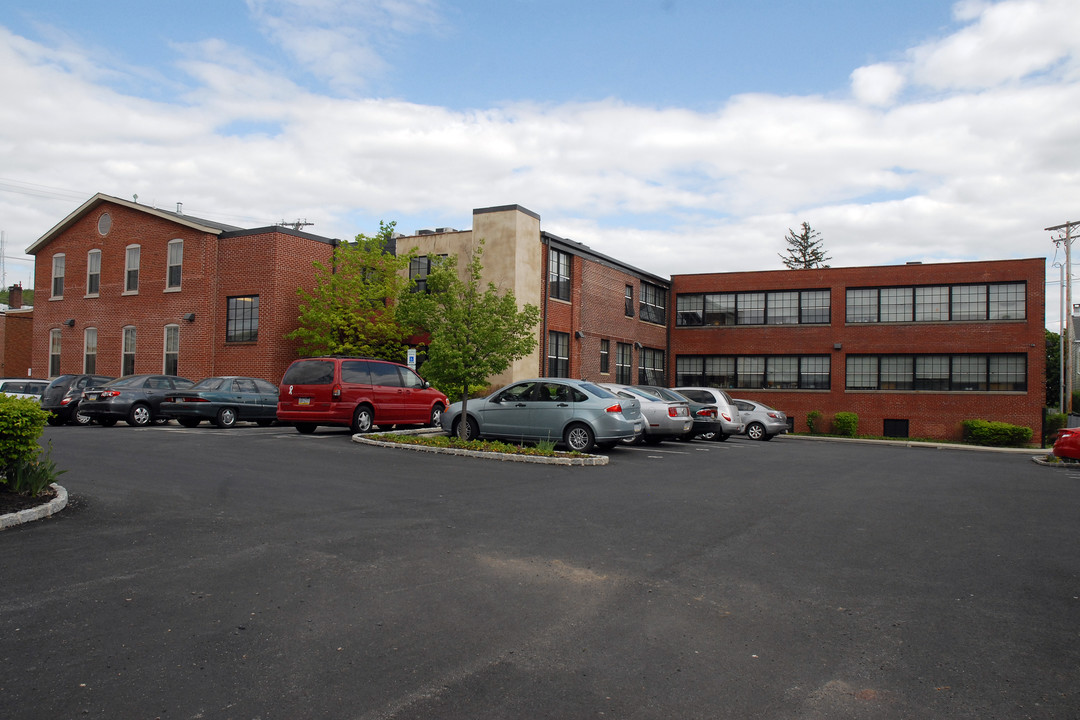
729	414
23	387
762	421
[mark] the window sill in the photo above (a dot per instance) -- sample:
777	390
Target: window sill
87	297
56	297
172	290
129	292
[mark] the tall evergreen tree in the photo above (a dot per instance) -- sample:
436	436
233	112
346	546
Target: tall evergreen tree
804	250
351	309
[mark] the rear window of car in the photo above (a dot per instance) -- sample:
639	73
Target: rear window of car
309	372
597	391
208	384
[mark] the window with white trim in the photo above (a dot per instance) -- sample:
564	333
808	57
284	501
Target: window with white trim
174	271
54	352
171	362
93	272
131	268
58	275
90	351
127	355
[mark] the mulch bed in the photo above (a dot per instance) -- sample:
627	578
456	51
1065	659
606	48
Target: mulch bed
13	502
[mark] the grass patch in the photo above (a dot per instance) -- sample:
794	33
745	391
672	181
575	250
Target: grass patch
541	449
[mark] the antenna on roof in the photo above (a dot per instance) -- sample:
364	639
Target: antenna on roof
296	224
135	197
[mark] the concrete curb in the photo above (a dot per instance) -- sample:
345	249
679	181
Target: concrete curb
55	505
1042	460
910	444
505	457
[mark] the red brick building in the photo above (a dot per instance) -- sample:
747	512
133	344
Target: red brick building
912	349
124	288
16	336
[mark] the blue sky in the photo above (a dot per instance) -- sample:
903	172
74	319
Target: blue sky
678	136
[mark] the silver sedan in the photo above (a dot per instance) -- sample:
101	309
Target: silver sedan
664	419
579	414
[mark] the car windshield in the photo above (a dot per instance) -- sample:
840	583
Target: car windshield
208	384
670	395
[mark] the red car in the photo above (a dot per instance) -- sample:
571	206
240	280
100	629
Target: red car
1067	444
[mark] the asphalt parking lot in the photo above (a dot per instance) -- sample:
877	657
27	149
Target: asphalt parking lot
259	573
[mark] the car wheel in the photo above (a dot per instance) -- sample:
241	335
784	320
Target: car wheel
305	428
472	429
81	418
579	438
721	437
436	415
107	422
609	445
688	436
362	419
55	421
709	436
756	431
652	439
161	421
264	423
189	422
139	415
225	418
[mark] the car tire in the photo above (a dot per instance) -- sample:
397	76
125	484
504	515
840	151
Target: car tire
756	431
652	439
608	445
363	419
189	422
472	428
81	418
687	437
55	421
106	422
225	418
721	437
305	428
579	437
139	415
436	415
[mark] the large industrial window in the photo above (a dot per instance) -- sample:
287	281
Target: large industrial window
942	373
937	303
242	319
651	367
624	364
752	372
605	357
653	304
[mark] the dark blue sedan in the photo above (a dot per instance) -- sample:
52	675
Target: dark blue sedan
223	401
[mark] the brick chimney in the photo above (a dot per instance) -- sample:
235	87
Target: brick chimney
15	297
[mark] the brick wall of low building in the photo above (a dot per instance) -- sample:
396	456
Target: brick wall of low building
16	343
929	414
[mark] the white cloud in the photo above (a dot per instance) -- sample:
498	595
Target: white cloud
935	156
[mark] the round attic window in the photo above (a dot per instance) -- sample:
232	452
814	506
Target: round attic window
104	224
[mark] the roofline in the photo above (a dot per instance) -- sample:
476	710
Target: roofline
100	198
908	265
281	229
585	251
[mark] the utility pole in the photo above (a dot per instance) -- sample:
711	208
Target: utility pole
1065	234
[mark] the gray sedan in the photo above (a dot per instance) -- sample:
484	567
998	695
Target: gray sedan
664	419
579	414
762	421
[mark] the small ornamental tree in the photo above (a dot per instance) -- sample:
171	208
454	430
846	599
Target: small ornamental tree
475	332
351	310
804	250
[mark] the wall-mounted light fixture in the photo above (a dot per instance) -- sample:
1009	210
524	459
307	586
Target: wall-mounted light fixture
190	317
638	345
837	346
578	334
70	322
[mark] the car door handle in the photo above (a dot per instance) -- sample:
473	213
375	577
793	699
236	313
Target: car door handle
521	405
562	405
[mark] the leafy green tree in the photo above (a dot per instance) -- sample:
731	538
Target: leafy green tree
475	332
351	309
804	250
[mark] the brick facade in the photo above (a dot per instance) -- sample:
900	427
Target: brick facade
935	414
218	262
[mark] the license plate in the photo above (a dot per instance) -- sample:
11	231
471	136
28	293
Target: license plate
92	396
303	401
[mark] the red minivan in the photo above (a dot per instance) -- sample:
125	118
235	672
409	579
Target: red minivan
356	392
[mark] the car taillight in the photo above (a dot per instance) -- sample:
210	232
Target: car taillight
673	412
336	392
726	416
109	393
773	415
66	400
613	408
706	412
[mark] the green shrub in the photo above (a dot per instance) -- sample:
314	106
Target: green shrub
996	434
845	424
31	477
1054	422
21	423
812	418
